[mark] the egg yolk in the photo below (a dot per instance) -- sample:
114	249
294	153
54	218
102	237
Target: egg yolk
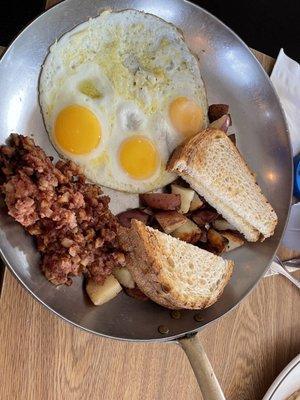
77	130
186	116
138	157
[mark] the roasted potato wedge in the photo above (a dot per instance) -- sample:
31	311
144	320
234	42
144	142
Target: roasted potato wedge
221	224
189	232
186	196
170	220
216	242
196	203
203	217
125	217
234	240
161	201
223	123
216	111
100	294
136	293
124	277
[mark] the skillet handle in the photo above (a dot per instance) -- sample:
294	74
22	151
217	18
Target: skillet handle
207	381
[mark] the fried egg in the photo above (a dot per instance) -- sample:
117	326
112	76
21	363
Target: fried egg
118	93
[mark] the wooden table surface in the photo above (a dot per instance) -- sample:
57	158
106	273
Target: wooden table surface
44	358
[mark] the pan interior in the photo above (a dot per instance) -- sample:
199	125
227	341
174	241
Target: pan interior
232	76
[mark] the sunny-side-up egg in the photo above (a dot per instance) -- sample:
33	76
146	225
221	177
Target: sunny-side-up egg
118	93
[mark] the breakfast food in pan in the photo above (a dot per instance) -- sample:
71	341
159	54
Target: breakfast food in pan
127	83
213	166
74	230
123	101
171	272
190	219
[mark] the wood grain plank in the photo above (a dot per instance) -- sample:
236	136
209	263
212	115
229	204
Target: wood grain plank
260	338
50	3
45	358
266	61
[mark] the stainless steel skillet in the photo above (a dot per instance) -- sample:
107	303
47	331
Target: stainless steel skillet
232	75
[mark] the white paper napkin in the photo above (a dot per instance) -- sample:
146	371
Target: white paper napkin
286	81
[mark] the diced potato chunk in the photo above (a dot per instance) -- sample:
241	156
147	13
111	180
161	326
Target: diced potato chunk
124	277
216	111
186	196
216	241
196	203
203	217
125	217
100	294
161	201
234	240
223	123
221	224
189	232
170	220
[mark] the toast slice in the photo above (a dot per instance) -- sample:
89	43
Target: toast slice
173	273
215	169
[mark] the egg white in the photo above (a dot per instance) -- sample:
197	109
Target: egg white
140	63
109	169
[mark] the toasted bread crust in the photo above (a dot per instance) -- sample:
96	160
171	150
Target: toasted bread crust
144	261
192	158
